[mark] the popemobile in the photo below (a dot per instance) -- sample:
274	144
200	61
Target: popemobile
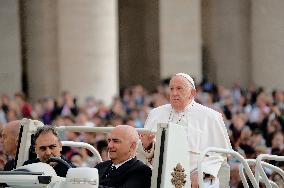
170	168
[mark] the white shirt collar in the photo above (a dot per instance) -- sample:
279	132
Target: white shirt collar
118	165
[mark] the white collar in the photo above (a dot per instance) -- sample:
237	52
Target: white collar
188	107
118	165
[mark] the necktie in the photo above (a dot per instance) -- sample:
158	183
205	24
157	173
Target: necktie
110	171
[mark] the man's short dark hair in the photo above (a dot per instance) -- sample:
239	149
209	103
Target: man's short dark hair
44	130
102	145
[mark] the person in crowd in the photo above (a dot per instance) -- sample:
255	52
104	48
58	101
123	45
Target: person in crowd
77	160
47	145
204	126
66	105
9	140
259	111
277	143
2	117
48	110
25	107
83	120
123	169
102	149
234	175
5	101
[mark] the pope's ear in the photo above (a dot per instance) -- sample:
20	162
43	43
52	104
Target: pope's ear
192	93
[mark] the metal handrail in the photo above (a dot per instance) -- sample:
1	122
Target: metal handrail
97	129
257	176
83	145
224	151
261	170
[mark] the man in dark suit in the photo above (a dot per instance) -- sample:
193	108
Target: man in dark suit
47	145
123	170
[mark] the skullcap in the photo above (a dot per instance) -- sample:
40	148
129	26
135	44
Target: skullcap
186	76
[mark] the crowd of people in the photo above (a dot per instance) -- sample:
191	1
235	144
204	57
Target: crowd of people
254	117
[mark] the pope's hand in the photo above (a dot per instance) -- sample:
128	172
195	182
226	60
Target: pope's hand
147	140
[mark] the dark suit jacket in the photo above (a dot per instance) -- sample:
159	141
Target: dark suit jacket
10	165
132	174
60	169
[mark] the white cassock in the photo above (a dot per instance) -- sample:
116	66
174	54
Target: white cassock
204	126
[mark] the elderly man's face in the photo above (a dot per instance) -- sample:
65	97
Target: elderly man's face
119	147
47	145
180	92
9	141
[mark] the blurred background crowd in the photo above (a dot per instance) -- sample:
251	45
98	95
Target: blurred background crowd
98	47
253	116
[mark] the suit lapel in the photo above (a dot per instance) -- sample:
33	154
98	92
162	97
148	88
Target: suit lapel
124	168
104	172
118	174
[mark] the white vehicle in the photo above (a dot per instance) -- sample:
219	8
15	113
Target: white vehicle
170	166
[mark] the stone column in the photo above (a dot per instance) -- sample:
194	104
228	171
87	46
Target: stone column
226	41
10	51
180	37
139	43
39	32
268	43
88	48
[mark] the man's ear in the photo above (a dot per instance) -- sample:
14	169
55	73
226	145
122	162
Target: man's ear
60	145
133	145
